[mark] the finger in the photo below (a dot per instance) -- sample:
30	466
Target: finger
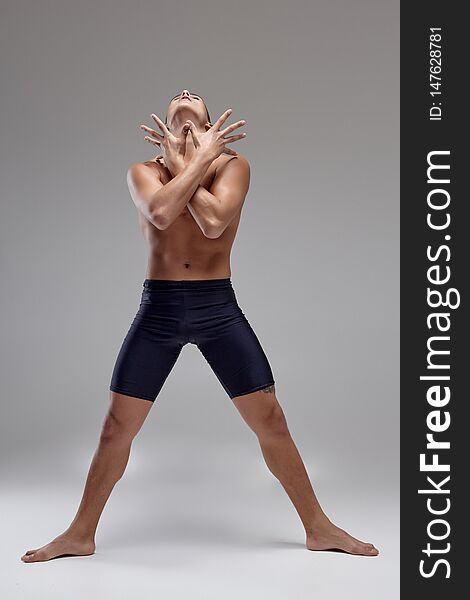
181	141
232	127
160	123
223	117
152	141
194	136
234	138
192	129
151	131
230	151
158	137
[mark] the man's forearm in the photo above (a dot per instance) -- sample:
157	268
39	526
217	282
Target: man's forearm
170	199
203	207
202	204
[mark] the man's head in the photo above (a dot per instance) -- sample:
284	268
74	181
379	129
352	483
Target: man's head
187	105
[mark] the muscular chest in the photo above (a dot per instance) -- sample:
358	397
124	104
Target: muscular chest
206	181
184	220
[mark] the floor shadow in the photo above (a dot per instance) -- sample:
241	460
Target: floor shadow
283	545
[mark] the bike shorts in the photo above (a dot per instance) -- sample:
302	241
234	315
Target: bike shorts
204	312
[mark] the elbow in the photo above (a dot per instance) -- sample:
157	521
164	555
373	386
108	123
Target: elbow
159	219
213	230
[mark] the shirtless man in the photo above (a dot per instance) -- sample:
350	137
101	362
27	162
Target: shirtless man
189	202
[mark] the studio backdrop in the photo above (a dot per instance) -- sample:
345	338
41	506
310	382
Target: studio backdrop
314	265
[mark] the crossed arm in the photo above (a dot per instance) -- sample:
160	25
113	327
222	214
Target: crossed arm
212	210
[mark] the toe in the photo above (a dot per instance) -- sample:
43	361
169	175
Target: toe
29	554
27	557
364	549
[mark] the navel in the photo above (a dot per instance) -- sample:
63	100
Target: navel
186	265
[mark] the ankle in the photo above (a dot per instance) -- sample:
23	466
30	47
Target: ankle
80	533
320	522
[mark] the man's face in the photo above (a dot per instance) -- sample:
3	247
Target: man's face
190	106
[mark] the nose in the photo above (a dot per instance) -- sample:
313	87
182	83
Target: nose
185	94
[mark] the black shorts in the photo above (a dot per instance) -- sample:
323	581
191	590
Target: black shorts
204	312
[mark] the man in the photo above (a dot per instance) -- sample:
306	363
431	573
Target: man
189	202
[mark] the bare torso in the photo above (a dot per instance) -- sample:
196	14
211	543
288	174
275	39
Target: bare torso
182	251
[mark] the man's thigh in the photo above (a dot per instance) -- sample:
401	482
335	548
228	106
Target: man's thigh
147	354
235	354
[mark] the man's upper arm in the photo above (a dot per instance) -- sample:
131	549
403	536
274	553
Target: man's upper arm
143	183
230	187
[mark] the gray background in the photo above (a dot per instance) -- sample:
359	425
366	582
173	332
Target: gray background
315	267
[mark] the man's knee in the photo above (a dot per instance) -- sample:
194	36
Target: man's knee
273	423
115	429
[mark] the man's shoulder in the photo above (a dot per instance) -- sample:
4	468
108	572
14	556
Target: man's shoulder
238	159
143	168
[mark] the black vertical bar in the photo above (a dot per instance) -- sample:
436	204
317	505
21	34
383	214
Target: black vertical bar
424	131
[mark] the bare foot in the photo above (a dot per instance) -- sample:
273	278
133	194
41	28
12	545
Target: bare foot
64	544
329	537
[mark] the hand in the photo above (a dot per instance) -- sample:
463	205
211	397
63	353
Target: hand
212	142
173	147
